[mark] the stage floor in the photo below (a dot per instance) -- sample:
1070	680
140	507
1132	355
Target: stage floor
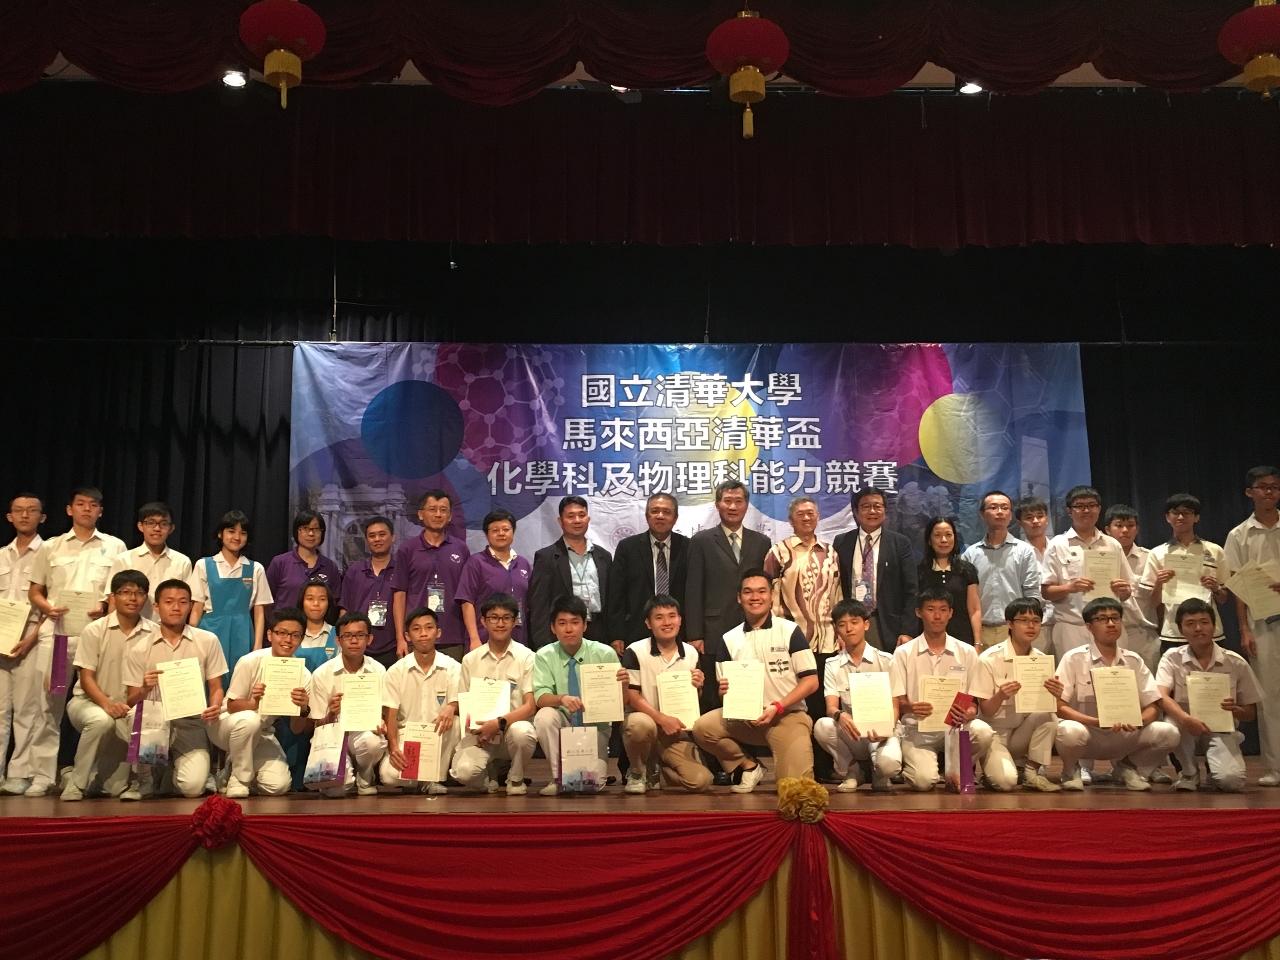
1101	796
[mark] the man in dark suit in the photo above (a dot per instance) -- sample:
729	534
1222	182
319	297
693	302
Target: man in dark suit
639	564
574	566
876	568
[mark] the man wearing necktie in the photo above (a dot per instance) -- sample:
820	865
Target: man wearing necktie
877	569
644	565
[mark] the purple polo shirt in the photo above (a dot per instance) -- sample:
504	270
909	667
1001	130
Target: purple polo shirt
288	574
417	562
360	587
483	576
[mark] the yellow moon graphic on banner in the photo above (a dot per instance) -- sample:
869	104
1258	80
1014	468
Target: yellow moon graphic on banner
960	437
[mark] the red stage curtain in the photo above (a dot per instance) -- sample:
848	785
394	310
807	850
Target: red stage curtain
473	886
1095	885
67	885
499	52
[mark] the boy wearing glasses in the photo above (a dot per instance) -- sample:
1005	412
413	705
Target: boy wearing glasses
21	685
1080	736
248	736
498	750
1068	581
97	707
154	557
1258	540
1184	547
366	748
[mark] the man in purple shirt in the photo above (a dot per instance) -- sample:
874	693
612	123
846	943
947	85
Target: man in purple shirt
427	572
289	573
496	569
367	589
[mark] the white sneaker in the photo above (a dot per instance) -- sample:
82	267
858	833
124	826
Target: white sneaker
1158	775
1185	782
1085	776
749	779
635	782
491	785
550	790
1132	779
1034	781
436	789
236	790
1074	783
366	789
71	792
131	792
881	784
848	785
64	777
39	788
1271	779
516	788
15	786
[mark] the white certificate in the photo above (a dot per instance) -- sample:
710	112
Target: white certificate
1115	689
420	745
1252	584
744	699
182	688
871	704
78	603
13	624
678	697
601	692
1100	567
1187	569
1032	672
361	702
1205	693
281	676
940	693
486	700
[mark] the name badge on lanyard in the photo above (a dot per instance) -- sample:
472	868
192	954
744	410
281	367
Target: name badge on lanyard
377	613
861	590
435	595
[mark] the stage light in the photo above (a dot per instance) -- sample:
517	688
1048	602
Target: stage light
617	89
971	87
234	78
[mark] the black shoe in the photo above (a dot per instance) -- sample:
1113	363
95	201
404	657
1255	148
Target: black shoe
722	779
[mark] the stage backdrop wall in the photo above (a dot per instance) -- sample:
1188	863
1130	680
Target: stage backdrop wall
521	425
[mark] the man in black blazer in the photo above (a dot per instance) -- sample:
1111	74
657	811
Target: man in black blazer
635	567
891	593
555	573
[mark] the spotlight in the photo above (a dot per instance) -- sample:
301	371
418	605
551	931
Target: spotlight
234	78
971	88
617	89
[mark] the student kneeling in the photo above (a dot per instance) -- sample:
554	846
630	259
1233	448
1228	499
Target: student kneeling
365	748
420	688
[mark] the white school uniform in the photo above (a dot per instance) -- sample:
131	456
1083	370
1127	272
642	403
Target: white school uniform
1141	634
1252	540
886	754
259	595
21	685
1212	563
1016	737
1064	560
471	758
365	748
417	696
168	565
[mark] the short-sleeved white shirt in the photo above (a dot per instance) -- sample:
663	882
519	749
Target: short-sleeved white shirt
1212	564
1251	540
914	660
1064	558
1077	681
102	649
247	672
327	680
1174	666
781	646
418	695
835	679
15	568
995	669
515	665
169	565
259	596
148	651
644	662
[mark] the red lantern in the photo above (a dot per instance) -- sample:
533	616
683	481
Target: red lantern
1251	38
283	33
747	49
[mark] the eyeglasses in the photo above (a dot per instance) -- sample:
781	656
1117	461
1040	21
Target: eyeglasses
131	593
1267	487
1090	505
1181	514
872	507
287	634
156	524
1027	620
353	636
1109	619
24	511
499	618
314	528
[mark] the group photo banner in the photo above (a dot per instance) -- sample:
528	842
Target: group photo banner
518	426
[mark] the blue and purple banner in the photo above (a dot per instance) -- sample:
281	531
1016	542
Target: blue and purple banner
521	425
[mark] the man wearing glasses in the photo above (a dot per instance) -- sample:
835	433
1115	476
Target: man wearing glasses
154	558
366	748
1074	578
877	570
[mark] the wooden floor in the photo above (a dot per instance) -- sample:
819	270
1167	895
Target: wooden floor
719	800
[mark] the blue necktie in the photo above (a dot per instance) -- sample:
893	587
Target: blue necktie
575	690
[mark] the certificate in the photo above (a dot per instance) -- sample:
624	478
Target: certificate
871	704
940	693
678	697
182	688
1205	693
1115	690
1100	567
486	700
1187	569
744	699
601	692
420	745
1252	584
13	624
281	676
78	603
361	707
1032	672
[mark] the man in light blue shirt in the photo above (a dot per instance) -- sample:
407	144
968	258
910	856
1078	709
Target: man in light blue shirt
1007	567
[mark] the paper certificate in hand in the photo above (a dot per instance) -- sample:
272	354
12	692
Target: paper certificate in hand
182	688
361	702
1187	568
745	697
1032	671
79	603
1115	690
486	700
420	745
1100	567
940	693
280	676
601	692
13	624
1252	584
678	697
1205	693
871	704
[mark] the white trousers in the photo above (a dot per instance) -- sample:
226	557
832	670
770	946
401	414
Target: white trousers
253	751
37	716
471	758
1029	743
548	722
189	755
1266	665
1222	752
104	743
1145	748
884	755
920	752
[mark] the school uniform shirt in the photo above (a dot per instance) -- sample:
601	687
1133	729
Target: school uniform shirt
1251	540
15	568
1041	559
102	649
1077	681
835	676
417	695
169	564
1006	572
483	575
259	595
1174	666
1212	563
68	563
362	590
781	646
914	660
1065	559
418	564
327	680
247	672
515	665
551	666
153	649
1135	612
317	638
644	662
995	669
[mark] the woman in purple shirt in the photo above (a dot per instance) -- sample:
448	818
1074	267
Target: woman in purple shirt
498	569
289	573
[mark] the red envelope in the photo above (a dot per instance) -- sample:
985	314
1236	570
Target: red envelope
964	701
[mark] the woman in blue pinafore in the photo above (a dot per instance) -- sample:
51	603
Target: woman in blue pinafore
234	589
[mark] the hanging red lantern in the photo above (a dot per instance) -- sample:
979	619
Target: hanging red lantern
747	49
1251	38
282	33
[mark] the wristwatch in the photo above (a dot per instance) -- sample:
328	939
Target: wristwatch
502	724
305	711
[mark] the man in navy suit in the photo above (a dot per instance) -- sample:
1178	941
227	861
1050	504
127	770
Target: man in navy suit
877	569
570	566
646	564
